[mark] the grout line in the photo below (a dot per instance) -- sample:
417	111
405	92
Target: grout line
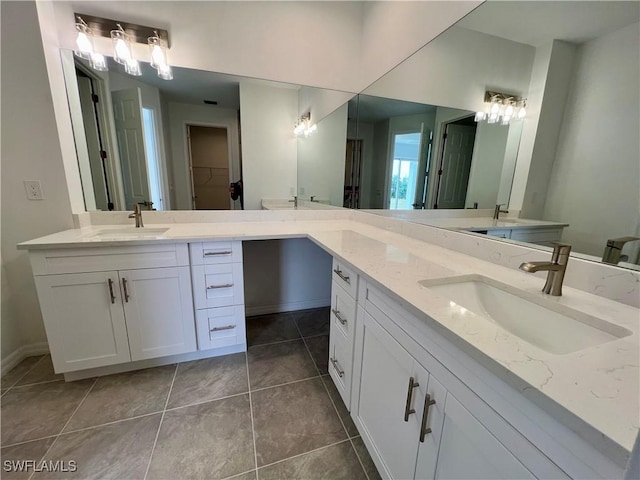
240	474
317	335
308	349
275	343
83	429
358	457
25	373
205	401
28	441
305	453
37	383
283	384
164	410
65	425
253	427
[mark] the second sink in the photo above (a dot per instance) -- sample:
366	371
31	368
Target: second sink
550	326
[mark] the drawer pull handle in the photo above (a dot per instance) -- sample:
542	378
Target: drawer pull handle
428	401
213	254
344	277
337	368
113	297
336	312
126	290
227	327
407	408
226	285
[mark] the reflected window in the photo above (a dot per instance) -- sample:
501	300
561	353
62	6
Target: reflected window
404	174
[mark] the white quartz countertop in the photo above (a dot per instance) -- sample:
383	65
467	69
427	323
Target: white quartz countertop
487	223
594	391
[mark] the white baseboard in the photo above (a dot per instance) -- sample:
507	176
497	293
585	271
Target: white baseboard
15	357
286	307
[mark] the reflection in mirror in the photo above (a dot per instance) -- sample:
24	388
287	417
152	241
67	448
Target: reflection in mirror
577	167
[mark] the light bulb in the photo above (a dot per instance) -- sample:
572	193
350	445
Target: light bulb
84	41
99	62
132	67
493	118
157	56
165	72
495	108
508	112
522	113
122	51
479	116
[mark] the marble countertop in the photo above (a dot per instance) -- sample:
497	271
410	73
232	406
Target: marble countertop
596	388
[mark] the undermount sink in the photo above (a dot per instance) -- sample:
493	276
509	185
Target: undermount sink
129	233
550	326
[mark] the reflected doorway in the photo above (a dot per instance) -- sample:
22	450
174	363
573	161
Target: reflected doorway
352	173
209	165
404	172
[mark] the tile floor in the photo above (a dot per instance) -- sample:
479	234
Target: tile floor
272	413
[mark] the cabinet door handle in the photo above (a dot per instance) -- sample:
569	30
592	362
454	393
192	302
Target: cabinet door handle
227	327
336	312
126	290
336	366
407	408
226	285
428	401
344	277
213	254
113	297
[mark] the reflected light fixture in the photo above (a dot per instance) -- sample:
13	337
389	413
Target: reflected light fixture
123	35
502	108
304	127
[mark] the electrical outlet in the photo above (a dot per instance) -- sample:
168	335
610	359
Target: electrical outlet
34	189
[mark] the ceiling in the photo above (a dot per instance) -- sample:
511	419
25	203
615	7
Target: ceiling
372	109
539	22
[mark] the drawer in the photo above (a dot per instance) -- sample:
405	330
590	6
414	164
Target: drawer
220	327
217	285
102	259
341	363
343	311
344	276
214	253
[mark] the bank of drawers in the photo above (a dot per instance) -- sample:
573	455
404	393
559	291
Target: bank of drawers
344	290
218	293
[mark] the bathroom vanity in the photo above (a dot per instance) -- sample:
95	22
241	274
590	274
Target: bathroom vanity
436	387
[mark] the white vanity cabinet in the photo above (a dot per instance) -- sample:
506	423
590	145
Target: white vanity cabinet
109	305
218	295
418	420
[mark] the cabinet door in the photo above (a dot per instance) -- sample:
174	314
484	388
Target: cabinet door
432	418
84	320
386	397
469	450
159	311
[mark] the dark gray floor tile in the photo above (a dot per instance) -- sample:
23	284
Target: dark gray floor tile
294	419
313	322
42	372
319	349
30	451
38	411
338	462
279	363
209	379
125	395
345	416
271	328
210	441
244	476
369	467
118	450
19	371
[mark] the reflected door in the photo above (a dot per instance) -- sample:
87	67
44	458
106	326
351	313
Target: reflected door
127	109
209	168
404	171
456	163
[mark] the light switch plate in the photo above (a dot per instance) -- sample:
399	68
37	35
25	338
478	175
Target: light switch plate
34	189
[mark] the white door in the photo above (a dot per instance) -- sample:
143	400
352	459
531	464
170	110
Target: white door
389	408
159	311
456	164
127	109
468	450
84	319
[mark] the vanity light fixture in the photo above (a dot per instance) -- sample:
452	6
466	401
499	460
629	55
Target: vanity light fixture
84	42
502	108
303	126
123	35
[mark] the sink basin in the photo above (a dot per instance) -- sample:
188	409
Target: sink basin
548	325
129	233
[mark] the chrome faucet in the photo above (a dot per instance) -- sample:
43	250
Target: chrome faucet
556	269
294	201
497	211
613	250
137	214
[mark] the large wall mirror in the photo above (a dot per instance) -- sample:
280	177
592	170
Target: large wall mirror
180	144
572	164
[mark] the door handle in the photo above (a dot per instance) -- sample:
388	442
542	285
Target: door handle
407	408
342	320
336	366
344	277
428	401
111	294
126	290
226	285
